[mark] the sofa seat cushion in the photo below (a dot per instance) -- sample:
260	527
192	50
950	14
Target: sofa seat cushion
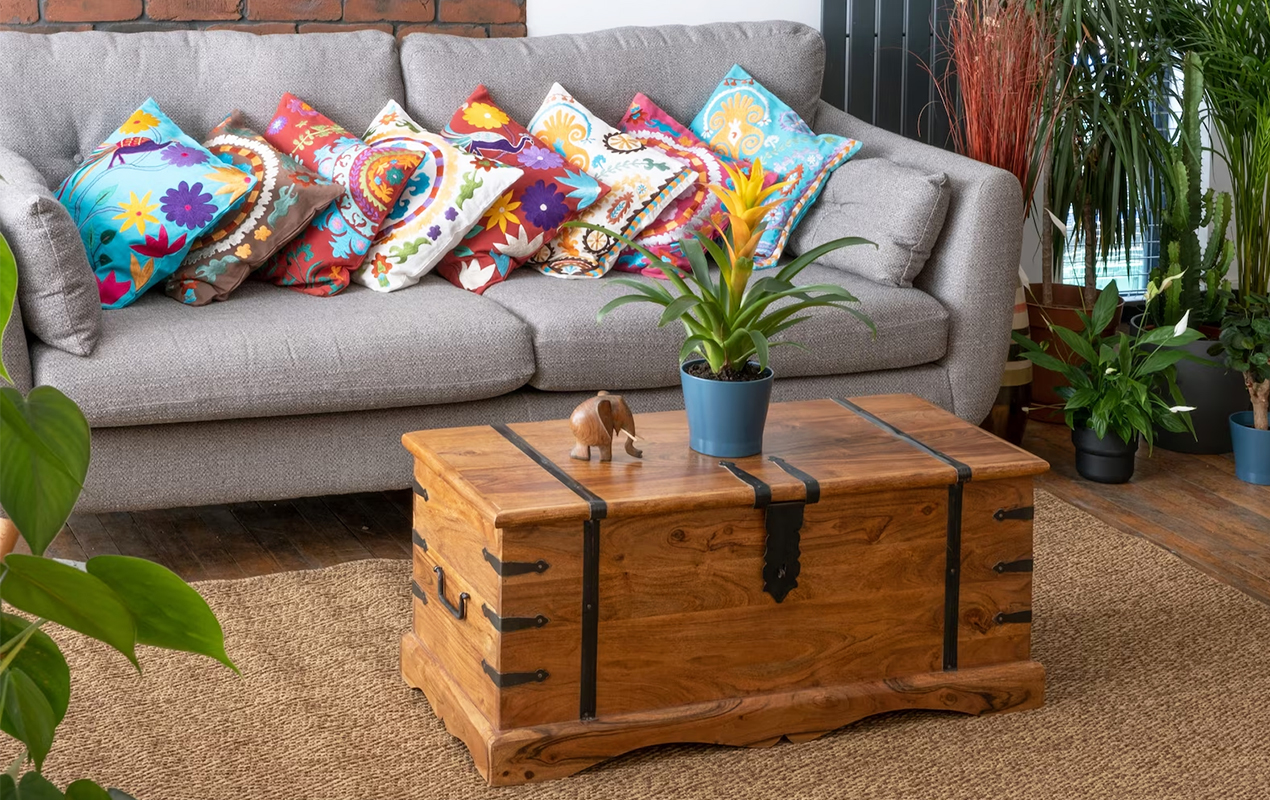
628	350
272	352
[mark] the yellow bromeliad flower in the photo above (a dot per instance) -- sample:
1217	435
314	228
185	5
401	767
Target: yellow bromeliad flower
137	213
484	116
746	207
139	121
501	213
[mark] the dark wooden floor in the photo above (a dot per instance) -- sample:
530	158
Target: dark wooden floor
1192	506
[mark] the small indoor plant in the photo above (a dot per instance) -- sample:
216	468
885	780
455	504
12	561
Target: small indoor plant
1245	343
118	600
730	323
1198	282
1114	392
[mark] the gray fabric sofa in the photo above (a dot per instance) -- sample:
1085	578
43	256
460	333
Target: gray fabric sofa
275	394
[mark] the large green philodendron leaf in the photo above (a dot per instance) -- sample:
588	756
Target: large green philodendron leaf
8	291
27	714
82	602
167	611
86	790
42	660
44	461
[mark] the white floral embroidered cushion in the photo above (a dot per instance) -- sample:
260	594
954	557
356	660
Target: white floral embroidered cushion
447	195
641	183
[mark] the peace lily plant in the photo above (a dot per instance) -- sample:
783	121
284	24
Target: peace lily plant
118	600
1119	387
731	324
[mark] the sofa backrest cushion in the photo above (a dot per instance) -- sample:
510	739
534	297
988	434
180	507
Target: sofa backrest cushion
64	93
678	66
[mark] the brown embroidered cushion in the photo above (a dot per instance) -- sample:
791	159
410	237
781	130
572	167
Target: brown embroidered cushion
284	201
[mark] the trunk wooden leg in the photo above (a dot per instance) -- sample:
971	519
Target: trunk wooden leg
8	536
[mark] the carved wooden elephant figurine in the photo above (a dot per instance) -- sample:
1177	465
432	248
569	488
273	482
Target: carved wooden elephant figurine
595	421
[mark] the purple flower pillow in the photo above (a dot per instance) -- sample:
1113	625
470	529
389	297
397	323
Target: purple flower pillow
142	198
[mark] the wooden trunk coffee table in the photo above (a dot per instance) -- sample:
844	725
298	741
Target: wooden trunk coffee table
877	556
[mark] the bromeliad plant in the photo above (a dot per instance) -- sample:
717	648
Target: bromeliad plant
1117	382
118	600
732	322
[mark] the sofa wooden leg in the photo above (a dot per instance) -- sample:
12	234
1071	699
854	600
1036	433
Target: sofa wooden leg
8	536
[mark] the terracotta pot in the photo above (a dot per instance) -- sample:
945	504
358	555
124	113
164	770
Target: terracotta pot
1067	301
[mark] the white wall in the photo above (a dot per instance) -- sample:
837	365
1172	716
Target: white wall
545	17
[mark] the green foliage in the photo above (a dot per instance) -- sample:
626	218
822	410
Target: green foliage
8	295
117	600
1106	159
1233	39
1245	338
1198	276
46	457
1118	382
726	330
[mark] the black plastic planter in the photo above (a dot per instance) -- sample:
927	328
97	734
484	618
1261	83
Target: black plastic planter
1106	460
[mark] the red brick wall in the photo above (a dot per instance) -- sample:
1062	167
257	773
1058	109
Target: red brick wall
460	17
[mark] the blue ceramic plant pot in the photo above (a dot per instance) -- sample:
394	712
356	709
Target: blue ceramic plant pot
726	418
1252	450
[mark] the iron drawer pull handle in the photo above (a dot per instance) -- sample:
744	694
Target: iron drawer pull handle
457	613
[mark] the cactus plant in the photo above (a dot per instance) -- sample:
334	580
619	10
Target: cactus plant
1199	276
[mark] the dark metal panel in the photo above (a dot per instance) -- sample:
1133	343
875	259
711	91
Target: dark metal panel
889	82
917	85
833	26
940	136
862	33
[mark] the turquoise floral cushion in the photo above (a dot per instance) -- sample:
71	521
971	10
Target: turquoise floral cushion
744	121
142	198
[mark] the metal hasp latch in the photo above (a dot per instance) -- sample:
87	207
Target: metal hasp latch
783	522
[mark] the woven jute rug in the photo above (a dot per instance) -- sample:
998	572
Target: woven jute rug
1158	688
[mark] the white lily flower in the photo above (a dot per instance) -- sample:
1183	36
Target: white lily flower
1178	409
1180	327
1109	370
1170	280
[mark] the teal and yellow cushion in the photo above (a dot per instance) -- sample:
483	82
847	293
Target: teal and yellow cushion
142	198
744	121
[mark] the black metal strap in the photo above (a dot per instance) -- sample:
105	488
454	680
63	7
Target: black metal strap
512	624
1005	618
1022	565
599	509
1022	513
811	484
418	539
963	470
505	680
418	592
506	569
419	490
952	547
762	492
590	570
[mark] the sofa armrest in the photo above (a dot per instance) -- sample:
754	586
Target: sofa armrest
974	267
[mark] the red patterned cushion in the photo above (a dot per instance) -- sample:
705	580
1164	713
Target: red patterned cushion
321	260
689	212
528	215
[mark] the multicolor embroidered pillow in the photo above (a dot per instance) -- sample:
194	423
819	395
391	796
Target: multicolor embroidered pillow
689	212
641	183
547	195
449	193
278	208
322	259
743	120
142	198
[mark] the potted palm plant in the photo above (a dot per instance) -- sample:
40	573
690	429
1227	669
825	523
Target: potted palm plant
1105	163
1114	387
731	324
1197	279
